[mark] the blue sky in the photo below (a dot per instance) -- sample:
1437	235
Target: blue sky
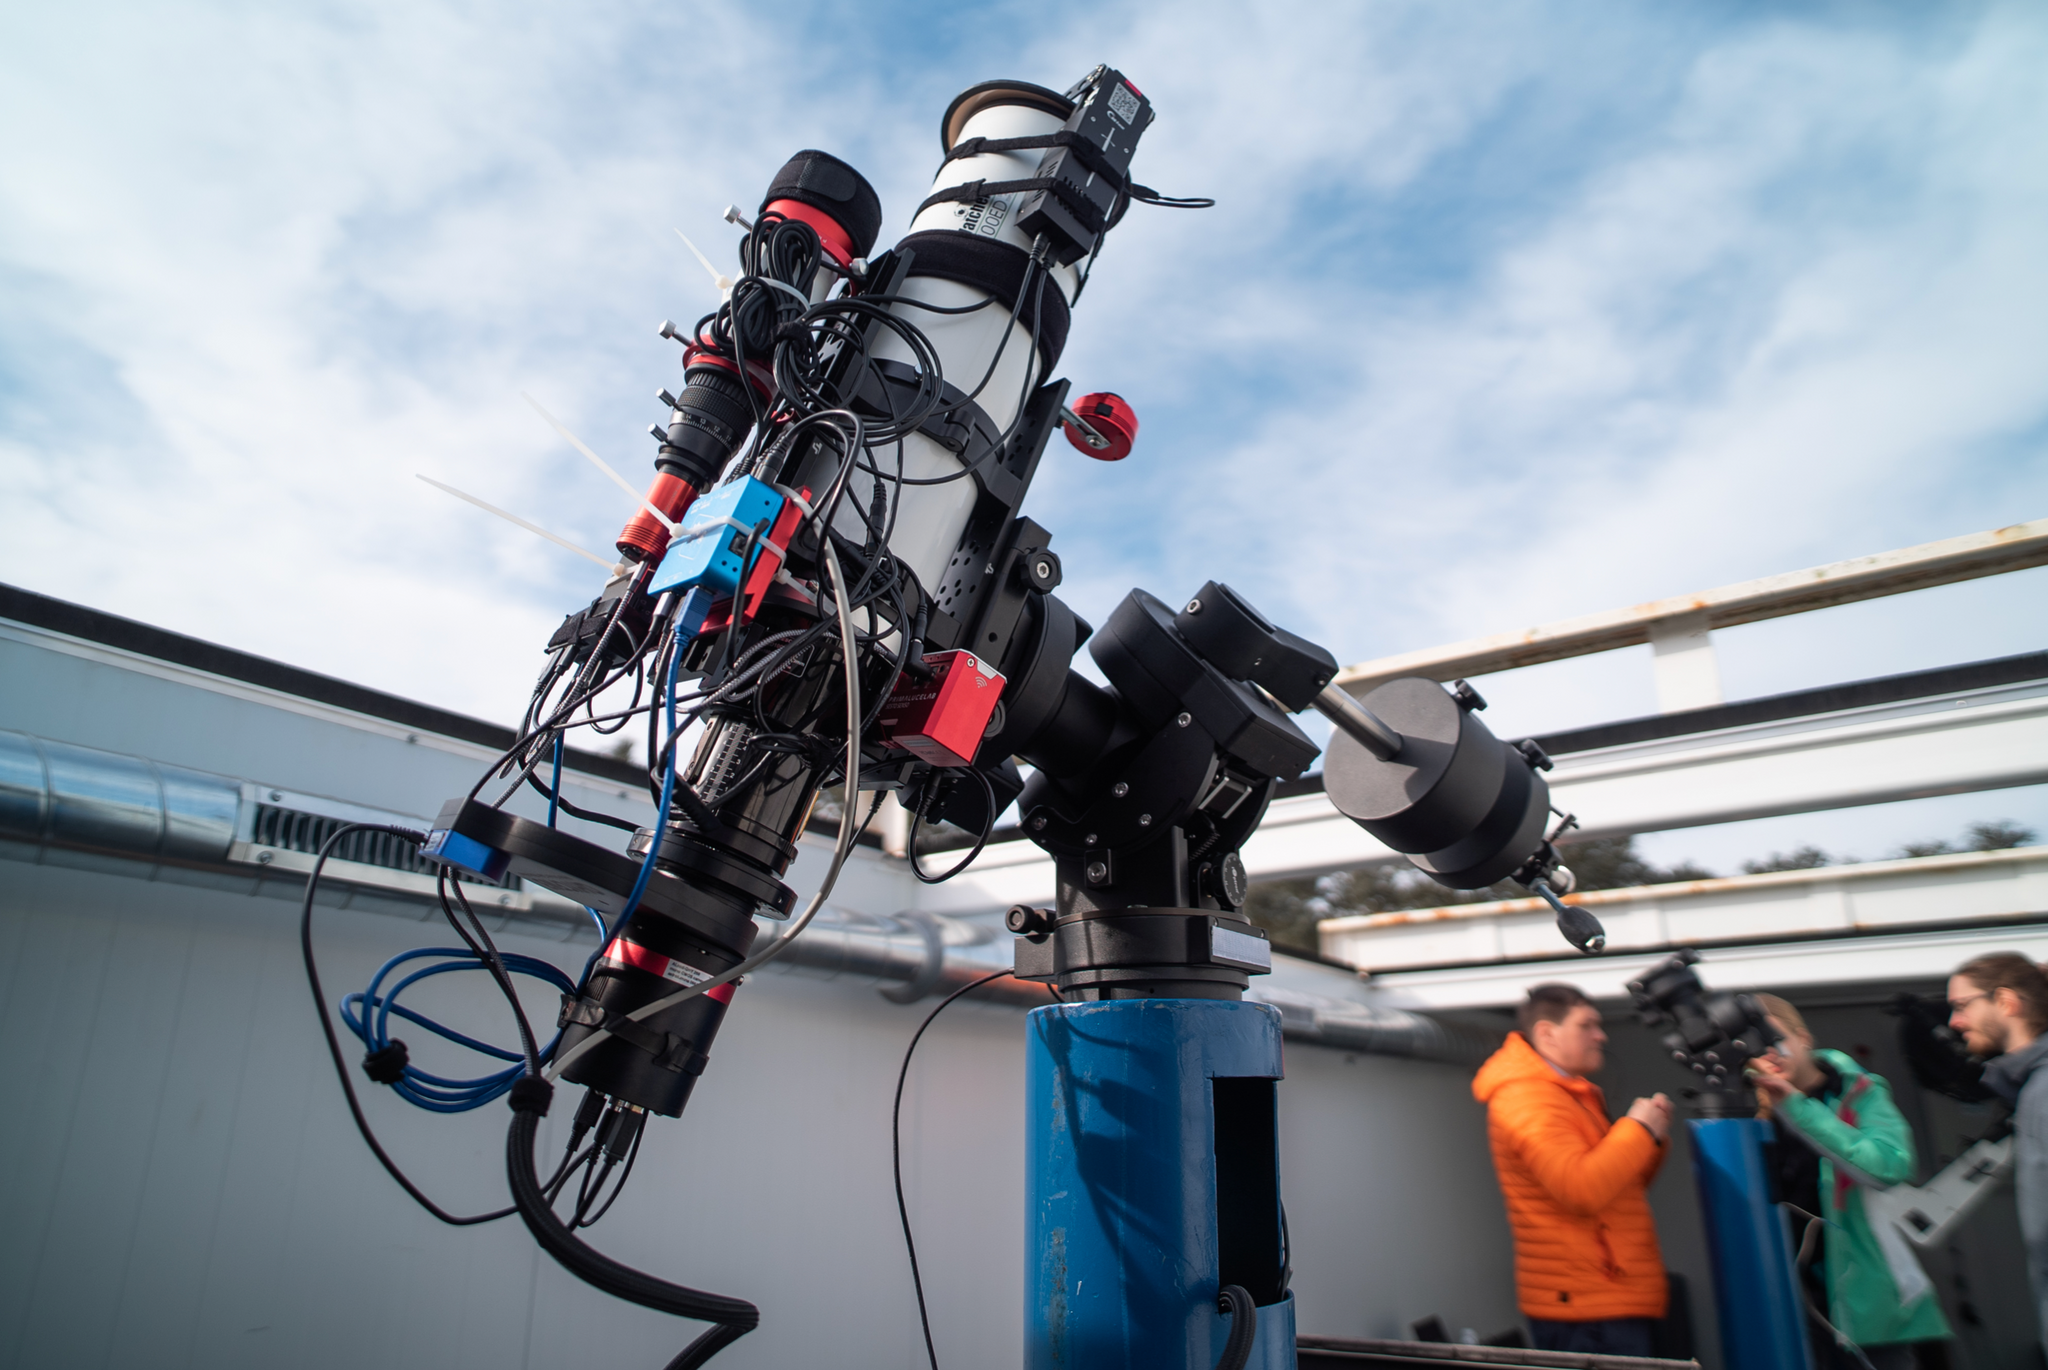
1506	313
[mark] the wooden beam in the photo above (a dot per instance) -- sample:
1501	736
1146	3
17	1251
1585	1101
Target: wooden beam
2013	548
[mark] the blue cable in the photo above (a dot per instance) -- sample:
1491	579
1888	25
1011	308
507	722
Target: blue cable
668	785
368	1015
555	784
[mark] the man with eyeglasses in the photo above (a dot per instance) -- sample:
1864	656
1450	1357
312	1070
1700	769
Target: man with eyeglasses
1999	1003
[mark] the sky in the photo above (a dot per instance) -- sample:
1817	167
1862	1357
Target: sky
1504	314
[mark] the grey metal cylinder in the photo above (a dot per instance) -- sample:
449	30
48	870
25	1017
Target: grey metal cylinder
54	793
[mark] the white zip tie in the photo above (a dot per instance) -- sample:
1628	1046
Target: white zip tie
514	518
786	288
718	278
705	529
796	499
595	460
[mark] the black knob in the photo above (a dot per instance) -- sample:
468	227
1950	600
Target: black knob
1039	570
1026	921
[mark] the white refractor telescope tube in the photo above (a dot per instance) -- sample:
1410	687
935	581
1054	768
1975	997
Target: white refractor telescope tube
931	518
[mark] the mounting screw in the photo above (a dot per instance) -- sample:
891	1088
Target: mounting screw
1194	606
1144	820
1098	872
1038	823
1089	840
1119	790
276	795
1185	719
264	858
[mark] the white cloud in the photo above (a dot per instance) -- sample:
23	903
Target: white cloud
1499	318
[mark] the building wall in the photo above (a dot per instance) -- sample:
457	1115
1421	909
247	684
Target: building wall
186	1189
190	1190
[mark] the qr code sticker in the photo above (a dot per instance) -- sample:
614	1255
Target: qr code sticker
1123	104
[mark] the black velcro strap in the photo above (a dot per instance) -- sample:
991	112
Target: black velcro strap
387	1066
669	1051
974	147
1000	269
1091	218
637	1034
531	1094
1066	137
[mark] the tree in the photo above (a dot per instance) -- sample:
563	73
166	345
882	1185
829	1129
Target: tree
2000	835
1798	859
1290	909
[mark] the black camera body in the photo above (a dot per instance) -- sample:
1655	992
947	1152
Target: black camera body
1715	1034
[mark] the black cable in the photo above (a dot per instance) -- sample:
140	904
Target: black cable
896	1154
577	810
1235	1300
348	1088
732	1318
917	816
1023	397
624	1175
487	952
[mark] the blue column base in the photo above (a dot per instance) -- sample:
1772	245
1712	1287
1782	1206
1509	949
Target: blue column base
1124	1257
1761	1311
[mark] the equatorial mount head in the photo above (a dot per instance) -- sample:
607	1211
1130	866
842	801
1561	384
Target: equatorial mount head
1714	1034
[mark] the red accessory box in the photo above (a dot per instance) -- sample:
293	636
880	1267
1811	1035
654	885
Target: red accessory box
941	721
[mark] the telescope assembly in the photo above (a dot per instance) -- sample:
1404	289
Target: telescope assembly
831	588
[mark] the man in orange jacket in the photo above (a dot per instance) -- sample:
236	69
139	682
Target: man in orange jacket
1587	1269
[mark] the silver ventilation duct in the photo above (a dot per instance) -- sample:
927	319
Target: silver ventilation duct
55	796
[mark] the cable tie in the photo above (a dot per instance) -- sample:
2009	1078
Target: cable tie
706	529
796	499
785	287
386	1066
531	1094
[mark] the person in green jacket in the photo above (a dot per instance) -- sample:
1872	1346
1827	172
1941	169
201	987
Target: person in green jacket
1879	1299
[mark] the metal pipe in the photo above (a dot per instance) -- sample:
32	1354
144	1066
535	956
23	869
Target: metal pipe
1350	1026
1361	723
56	794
